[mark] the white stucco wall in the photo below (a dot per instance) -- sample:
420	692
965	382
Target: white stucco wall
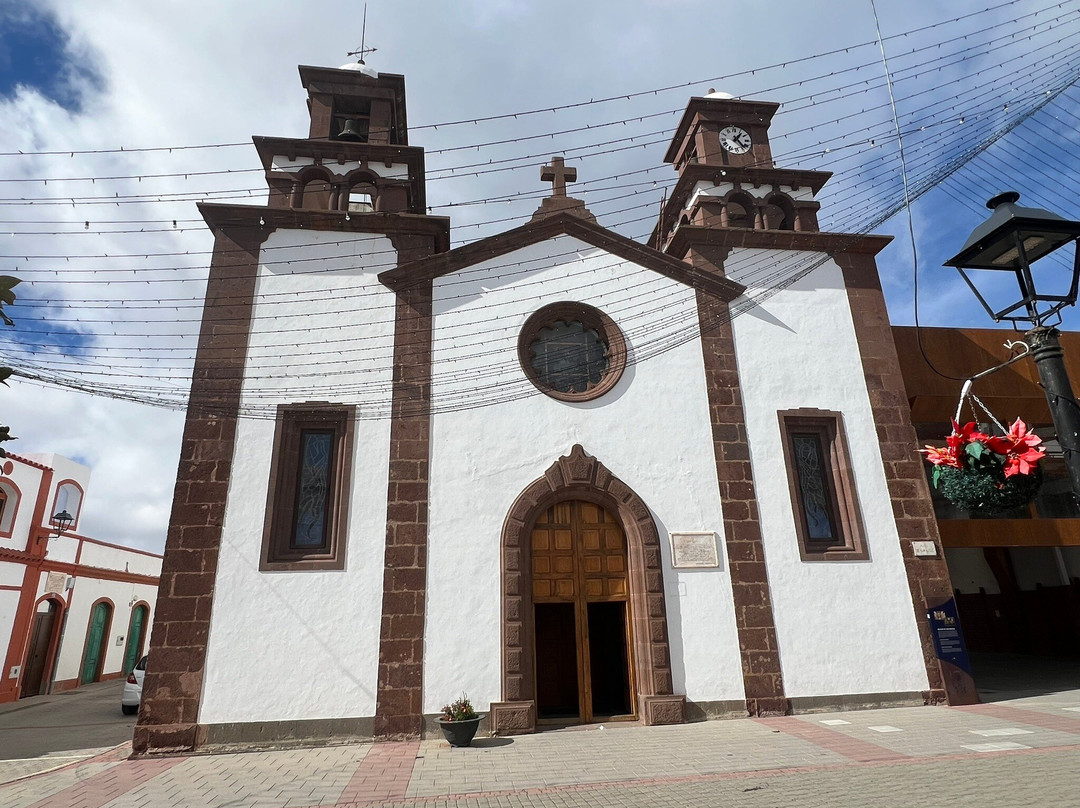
11	574
111	557
63	548
842	627
652	431
313	635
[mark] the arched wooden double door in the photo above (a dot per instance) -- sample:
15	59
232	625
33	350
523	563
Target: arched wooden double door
581	614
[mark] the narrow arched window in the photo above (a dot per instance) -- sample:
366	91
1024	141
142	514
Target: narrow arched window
9	505
69	497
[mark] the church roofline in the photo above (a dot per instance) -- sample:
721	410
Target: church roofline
436	266
729	109
689	236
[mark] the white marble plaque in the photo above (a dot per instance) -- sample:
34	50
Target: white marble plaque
694	550
924	549
54	583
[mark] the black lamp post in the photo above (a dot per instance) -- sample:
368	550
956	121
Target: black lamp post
1012	239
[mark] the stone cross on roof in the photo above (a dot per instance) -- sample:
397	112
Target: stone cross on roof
558	175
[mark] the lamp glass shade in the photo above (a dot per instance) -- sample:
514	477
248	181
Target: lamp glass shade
993	244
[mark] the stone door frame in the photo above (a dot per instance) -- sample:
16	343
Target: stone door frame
580	476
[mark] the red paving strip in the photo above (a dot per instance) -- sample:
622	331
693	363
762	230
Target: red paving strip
474	796
1059	723
382	775
106	786
851	748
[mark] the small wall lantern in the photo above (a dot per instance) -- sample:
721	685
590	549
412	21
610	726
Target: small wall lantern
61	522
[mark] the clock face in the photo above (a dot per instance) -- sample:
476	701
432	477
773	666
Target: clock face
735	140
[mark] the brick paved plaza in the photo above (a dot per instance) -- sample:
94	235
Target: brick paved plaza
1020	752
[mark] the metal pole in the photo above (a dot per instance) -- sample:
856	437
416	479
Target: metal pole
1064	410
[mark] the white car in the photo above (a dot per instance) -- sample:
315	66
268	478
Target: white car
129	701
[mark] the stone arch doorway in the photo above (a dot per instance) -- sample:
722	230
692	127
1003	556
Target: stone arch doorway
582	478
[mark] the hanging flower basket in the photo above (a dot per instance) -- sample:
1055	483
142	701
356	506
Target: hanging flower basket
984	474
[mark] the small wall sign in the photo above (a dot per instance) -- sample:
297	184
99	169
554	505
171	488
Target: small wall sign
694	550
54	583
924	549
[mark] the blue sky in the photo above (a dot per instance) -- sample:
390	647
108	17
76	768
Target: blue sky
34	52
114	269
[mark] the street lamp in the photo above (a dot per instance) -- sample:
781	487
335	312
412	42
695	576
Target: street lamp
1012	239
61	522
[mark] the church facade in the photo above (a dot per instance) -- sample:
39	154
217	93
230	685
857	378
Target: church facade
577	477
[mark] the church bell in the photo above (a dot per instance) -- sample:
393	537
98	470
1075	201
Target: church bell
353	131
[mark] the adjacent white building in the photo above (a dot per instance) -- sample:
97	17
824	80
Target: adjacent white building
73	609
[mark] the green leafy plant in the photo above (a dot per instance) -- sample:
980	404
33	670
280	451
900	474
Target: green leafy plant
459	710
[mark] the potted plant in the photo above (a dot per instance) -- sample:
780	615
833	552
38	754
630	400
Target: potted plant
459	721
987	474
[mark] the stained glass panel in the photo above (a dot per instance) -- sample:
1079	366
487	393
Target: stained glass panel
810	466
569	357
313	494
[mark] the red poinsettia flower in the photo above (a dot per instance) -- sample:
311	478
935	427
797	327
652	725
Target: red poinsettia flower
1020	447
963	435
941	457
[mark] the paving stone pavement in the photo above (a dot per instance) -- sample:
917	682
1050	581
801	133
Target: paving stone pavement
1006	753
24	767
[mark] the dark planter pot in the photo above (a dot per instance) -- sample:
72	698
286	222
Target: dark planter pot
460	733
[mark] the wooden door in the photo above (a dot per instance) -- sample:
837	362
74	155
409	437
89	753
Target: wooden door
38	654
581	614
134	639
95	644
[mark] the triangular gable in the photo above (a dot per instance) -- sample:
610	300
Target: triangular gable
436	266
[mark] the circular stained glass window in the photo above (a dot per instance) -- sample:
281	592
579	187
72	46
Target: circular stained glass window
571	351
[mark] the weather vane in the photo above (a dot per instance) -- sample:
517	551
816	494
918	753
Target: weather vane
359	52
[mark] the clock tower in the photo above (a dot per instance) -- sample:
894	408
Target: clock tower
727	177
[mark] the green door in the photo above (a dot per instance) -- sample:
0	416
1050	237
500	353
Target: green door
95	643
134	640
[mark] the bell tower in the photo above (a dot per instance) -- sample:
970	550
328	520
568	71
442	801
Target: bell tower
356	158
727	177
